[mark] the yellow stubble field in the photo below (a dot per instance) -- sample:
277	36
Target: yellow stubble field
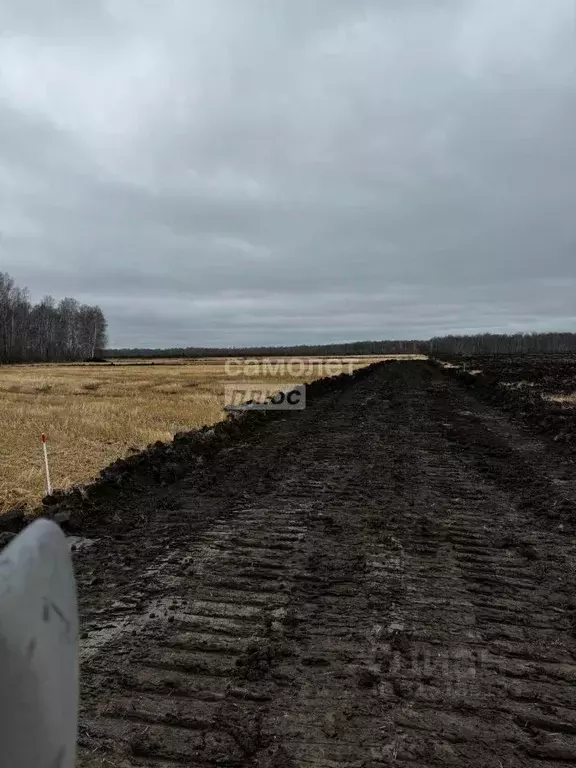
95	414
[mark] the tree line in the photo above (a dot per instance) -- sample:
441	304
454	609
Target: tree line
301	350
49	331
474	344
65	331
503	344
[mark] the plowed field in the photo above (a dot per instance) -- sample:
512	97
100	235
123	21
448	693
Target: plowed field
386	578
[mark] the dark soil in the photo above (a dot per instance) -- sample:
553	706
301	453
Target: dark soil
386	578
520	386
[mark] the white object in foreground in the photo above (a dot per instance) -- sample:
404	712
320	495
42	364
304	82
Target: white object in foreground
38	651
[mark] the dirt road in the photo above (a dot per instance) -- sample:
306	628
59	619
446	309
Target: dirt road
385	579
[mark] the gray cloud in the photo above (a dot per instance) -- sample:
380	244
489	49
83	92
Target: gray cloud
271	171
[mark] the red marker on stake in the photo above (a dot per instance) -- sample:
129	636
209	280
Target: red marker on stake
45	447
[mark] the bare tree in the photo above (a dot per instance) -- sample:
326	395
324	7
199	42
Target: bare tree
47	331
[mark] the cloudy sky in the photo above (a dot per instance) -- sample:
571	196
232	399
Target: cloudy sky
219	172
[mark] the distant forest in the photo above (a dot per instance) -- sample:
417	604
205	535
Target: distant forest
479	344
503	344
49	331
67	331
303	350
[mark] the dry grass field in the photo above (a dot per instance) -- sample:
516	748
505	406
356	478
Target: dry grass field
94	414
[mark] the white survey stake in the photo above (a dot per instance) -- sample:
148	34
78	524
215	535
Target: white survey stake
46	466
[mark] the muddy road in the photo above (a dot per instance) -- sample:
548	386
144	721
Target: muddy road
387	578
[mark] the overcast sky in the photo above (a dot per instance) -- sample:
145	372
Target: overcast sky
219	172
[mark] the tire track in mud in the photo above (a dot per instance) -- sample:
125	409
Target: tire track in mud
362	591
